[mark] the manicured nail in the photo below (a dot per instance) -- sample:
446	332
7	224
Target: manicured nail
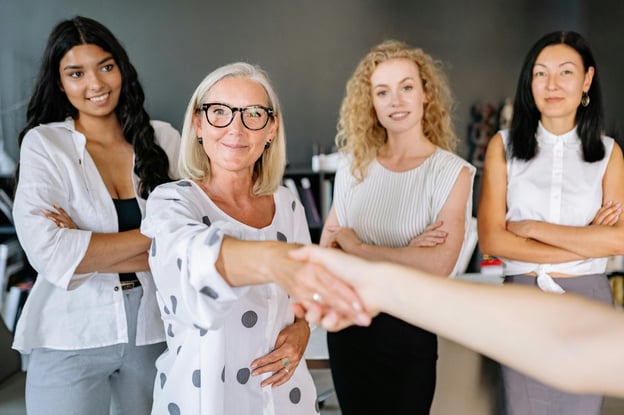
356	306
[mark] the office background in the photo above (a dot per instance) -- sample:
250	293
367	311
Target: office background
310	48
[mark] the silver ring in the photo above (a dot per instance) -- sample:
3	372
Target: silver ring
285	361
317	298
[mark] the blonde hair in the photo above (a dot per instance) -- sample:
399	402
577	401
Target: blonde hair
360	135
269	168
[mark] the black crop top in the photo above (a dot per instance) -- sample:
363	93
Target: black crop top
128	218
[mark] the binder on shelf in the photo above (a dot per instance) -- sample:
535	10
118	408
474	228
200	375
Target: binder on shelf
307	198
290	184
15	302
326	197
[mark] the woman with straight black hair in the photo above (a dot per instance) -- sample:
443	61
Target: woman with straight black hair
551	197
89	157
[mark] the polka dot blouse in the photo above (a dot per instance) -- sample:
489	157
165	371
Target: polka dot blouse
214	331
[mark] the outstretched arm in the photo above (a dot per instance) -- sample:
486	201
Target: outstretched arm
579	354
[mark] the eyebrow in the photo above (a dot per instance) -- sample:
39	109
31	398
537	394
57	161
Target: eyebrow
80	66
560	65
407	78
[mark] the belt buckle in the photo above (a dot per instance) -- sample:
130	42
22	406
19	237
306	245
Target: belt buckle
128	285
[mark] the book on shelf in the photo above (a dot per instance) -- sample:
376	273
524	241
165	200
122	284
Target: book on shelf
309	203
16	297
292	186
327	189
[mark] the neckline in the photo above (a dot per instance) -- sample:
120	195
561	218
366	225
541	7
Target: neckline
230	218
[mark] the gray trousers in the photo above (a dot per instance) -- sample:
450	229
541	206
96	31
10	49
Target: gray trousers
116	379
527	396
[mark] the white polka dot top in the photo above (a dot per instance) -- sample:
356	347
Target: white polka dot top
214	331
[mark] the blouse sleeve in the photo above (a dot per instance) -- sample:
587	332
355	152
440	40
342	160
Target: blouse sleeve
185	247
46	179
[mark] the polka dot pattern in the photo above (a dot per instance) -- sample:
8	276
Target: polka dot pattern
293	206
172	199
196	378
173	409
174	303
212	239
295	395
249	319
163	380
206	221
178	351
223	375
184	183
179	263
281	237
166	310
202	331
209	292
170	331
153	251
242	376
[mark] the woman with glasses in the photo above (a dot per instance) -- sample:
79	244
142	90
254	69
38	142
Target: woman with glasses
89	156
234	346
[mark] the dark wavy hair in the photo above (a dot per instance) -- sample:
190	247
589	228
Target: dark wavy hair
49	103
589	120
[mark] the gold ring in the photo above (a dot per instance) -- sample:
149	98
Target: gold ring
286	370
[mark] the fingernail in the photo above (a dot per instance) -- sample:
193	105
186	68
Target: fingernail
362	319
356	306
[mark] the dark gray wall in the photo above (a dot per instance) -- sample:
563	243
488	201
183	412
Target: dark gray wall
308	48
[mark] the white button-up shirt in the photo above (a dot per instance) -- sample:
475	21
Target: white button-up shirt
66	310
556	186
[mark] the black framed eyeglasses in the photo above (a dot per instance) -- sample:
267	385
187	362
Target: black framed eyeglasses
254	117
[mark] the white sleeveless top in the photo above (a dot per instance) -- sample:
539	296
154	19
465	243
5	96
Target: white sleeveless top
556	186
391	208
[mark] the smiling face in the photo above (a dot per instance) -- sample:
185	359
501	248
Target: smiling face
234	148
398	96
91	79
559	80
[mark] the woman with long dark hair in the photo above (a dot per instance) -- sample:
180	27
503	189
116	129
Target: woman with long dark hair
89	157
551	197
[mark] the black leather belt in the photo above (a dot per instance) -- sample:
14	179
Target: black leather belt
128	285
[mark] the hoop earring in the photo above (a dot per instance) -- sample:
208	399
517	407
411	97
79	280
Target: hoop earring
585	99
200	140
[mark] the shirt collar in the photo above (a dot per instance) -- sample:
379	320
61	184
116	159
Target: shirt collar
546	137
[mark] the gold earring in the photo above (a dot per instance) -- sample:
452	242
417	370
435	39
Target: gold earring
585	99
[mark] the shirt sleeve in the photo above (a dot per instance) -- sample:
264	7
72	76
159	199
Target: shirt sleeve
185	247
44	180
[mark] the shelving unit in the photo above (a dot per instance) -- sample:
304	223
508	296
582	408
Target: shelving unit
321	189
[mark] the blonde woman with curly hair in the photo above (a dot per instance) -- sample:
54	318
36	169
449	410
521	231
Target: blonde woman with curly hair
400	196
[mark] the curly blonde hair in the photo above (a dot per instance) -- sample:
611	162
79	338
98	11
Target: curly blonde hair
361	135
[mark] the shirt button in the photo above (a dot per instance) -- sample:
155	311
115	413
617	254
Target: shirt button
116	288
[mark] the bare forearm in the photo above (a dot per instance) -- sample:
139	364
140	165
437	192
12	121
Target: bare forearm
108	249
592	241
542	341
504	244
435	260
137	263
